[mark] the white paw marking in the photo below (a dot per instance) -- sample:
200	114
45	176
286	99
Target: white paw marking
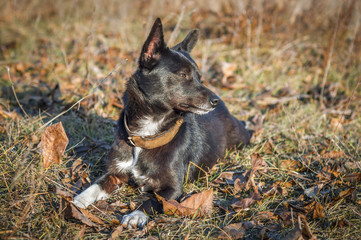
90	195
136	219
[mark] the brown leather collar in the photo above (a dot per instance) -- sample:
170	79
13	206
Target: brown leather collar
154	141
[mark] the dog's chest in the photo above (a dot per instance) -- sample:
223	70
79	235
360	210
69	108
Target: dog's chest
129	165
134	164
148	126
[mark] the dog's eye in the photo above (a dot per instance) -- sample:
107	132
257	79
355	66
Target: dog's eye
183	75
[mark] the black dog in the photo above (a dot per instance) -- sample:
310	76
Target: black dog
169	120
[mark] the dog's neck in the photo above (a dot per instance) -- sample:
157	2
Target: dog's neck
146	118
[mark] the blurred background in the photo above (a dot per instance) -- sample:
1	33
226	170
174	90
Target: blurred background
301	45
278	43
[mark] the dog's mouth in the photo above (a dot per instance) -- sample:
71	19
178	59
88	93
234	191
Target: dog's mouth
195	109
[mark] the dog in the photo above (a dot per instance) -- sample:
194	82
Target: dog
169	120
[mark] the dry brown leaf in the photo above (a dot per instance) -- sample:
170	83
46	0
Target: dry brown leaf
10	115
80	234
64	194
228	70
318	211
343	194
240	185
309	207
91	216
313	191
246	202
236	230
257	162
290	218
151	238
274	189
264	215
291	165
53	144
342	223
334	155
76	165
70	211
336	124
199	204
231	177
352	177
116	232
300	232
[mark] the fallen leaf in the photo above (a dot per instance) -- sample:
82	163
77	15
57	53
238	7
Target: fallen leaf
76	165
264	215
64	194
318	211
228	70
10	115
290	218
236	230
80	234
313	191
91	216
336	124
343	194
301	231
352	177
257	162
70	212
231	177
291	165
199	204
272	101
116	232
246	202
53	144
342	223
240	185
334	155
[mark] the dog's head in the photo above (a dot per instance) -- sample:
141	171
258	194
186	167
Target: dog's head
170	75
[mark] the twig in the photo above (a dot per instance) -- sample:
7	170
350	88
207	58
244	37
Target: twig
89	94
13	88
199	169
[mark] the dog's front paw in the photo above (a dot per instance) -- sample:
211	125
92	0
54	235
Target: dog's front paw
80	202
136	219
89	196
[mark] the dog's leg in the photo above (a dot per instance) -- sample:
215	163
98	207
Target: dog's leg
100	190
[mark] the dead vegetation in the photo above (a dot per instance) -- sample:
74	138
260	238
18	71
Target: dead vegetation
290	68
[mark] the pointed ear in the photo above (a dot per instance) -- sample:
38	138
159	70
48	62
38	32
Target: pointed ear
189	42
153	47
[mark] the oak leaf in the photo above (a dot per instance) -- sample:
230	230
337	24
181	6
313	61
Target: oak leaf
199	204
53	144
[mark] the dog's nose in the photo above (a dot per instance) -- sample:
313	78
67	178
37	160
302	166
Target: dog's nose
214	101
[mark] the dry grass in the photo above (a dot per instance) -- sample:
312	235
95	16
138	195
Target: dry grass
297	64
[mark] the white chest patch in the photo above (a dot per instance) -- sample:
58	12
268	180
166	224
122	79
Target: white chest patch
128	165
148	126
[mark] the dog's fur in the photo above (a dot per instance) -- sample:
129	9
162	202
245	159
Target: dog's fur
166	86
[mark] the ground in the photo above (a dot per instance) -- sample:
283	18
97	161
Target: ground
290	69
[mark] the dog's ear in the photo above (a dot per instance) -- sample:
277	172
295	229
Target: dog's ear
153	47
189	42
